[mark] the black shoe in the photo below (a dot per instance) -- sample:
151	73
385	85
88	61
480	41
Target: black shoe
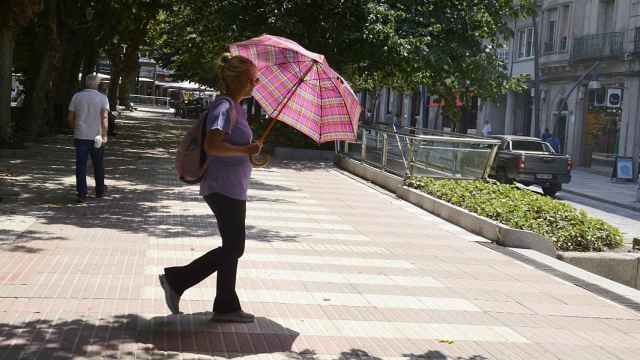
81	199
234	317
104	191
170	297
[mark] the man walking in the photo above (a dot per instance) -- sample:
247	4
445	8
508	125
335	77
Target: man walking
88	117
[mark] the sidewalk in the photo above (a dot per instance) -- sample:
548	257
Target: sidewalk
333	269
599	187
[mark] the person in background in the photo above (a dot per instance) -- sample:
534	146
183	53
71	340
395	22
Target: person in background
87	117
556	144
486	130
547	136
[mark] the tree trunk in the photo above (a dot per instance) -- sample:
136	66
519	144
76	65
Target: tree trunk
66	80
39	87
88	64
7	37
114	83
129	72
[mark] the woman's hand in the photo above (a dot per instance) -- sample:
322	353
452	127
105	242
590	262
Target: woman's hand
254	148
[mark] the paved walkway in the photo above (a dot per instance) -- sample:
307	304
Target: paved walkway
599	187
333	270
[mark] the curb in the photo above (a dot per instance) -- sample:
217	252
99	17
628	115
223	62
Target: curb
596	198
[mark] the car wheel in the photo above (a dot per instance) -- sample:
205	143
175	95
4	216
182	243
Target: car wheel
551	190
503	178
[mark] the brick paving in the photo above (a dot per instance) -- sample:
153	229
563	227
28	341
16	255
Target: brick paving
334	269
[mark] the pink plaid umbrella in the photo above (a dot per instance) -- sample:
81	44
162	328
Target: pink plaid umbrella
299	88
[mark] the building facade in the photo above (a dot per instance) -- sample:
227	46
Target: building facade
589	56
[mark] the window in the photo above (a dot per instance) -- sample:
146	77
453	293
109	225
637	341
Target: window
525	43
527	145
564	27
551	30
606	16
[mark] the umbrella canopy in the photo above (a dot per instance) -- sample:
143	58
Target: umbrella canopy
299	88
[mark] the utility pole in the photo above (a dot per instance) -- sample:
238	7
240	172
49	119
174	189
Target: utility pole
536	72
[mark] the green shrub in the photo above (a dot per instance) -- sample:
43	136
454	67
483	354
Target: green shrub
569	229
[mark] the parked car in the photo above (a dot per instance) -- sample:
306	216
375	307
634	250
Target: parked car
531	161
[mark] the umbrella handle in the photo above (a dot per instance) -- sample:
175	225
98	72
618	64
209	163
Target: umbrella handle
266	131
259	159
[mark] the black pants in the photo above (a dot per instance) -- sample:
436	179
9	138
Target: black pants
230	214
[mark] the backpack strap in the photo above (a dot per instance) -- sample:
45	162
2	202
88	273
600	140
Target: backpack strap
233	114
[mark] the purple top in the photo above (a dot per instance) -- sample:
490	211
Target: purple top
228	175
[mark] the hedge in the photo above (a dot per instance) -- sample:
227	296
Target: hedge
569	229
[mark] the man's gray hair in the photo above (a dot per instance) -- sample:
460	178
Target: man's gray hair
92	81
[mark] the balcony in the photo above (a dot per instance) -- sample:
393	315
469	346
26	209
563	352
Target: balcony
598	46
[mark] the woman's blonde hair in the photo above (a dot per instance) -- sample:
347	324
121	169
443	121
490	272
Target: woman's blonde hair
230	70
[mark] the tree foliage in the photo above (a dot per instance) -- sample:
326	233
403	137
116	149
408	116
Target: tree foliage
447	45
64	39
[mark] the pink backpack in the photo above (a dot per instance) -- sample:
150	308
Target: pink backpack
191	159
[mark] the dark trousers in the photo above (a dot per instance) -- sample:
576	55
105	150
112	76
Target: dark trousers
230	215
84	149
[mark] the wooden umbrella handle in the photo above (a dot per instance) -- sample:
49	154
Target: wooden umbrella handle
266	131
259	159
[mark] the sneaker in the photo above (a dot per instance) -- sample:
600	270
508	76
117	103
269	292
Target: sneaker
233	317
171	298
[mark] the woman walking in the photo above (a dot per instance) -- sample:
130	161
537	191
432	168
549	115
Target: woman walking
224	187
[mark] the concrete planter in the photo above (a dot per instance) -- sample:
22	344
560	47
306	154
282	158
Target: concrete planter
620	267
378	177
487	228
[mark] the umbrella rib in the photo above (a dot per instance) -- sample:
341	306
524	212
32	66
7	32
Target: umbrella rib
290	93
288	62
287	48
320	90
344	101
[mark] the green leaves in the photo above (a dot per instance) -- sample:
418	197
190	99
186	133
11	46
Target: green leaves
569	229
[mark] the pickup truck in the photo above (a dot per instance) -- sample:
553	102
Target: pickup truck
531	161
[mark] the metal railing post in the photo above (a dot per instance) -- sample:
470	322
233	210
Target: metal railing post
410	157
489	164
346	147
363	151
385	150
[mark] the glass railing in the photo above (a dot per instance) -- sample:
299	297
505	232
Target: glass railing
422	152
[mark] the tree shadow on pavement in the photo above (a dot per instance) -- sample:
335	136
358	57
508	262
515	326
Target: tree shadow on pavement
144	195
439	355
134	336
16	241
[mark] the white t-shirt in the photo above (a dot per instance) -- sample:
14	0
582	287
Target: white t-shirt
88	105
